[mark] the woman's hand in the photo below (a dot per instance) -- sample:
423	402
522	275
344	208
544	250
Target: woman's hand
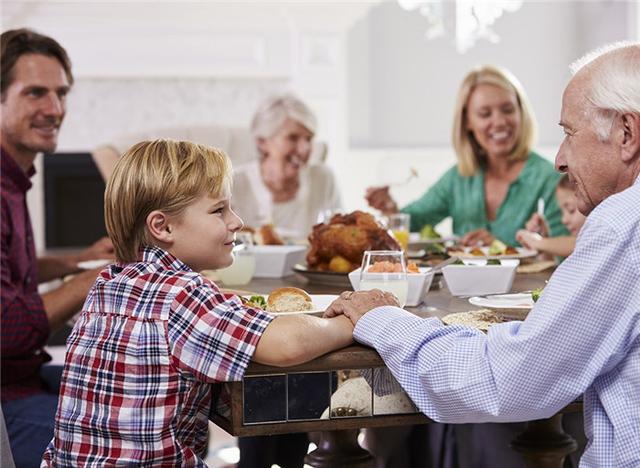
538	224
380	199
355	304
529	240
477	237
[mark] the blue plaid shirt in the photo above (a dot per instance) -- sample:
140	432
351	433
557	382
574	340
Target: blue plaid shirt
582	337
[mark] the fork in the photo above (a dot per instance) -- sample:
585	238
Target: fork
413	173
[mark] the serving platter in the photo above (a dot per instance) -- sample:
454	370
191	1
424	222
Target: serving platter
328	278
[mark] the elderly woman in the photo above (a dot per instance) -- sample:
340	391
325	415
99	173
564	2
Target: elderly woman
283	186
495	187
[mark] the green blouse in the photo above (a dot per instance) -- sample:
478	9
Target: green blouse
462	198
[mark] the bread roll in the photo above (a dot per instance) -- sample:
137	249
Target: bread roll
288	300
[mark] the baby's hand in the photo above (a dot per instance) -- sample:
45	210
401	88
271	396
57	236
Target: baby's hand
528	239
538	224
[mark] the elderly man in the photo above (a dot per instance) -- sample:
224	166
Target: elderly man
36	77
583	336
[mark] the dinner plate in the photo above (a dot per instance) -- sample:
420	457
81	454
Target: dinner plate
328	278
320	304
91	264
466	253
521	301
509	306
418	243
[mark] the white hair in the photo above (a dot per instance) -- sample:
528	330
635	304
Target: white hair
614	88
273	112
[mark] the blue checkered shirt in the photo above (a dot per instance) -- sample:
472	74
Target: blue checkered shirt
582	337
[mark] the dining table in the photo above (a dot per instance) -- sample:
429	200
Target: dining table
273	400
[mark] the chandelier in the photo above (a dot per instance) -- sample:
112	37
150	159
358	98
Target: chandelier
472	19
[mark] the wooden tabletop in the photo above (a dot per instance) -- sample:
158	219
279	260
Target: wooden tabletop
438	303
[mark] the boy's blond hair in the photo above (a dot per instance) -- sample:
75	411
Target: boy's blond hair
165	175
470	155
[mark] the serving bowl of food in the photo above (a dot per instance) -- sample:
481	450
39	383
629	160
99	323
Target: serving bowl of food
418	279
480	277
276	261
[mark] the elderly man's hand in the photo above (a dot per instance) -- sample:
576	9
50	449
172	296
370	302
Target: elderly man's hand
355	304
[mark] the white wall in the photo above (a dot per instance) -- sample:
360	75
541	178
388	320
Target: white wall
403	86
363	66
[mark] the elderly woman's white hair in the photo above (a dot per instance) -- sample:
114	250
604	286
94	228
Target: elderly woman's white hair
614	89
272	114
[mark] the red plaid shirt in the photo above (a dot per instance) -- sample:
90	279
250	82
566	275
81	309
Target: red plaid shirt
150	340
25	327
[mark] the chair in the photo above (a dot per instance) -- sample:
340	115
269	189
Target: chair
6	457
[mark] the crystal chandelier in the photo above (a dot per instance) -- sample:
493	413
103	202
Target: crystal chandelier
472	19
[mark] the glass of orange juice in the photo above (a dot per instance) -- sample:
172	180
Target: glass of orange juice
399	224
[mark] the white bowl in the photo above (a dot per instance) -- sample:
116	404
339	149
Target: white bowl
480	279
276	261
419	284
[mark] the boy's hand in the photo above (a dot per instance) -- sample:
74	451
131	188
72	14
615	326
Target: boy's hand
355	304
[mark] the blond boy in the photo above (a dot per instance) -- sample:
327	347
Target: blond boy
154	334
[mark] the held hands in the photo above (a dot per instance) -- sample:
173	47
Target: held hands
355	304
477	237
380	199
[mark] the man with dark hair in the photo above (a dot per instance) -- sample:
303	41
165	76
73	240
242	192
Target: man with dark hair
36	77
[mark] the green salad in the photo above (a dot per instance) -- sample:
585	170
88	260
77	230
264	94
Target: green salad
258	301
428	232
536	293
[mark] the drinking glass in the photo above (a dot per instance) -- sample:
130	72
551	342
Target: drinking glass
399	224
385	270
244	262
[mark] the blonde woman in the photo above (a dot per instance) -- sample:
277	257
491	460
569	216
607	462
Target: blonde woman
495	187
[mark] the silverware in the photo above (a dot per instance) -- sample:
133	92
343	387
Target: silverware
413	172
441	265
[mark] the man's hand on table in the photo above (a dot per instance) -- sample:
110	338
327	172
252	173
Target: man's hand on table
355	304
100	249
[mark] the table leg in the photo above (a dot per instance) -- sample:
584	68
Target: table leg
339	448
544	444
